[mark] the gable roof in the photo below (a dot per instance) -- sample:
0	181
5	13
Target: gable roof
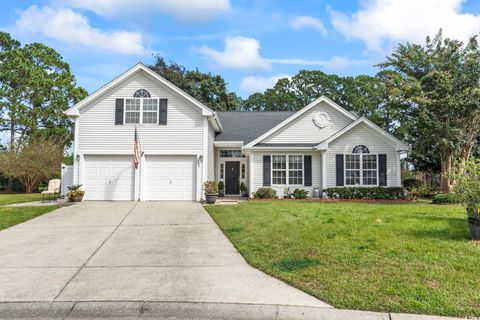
398	144
298	114
140	67
247	125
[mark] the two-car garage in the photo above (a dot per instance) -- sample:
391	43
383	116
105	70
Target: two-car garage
159	177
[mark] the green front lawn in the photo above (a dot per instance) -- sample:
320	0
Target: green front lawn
9	198
413	258
10	216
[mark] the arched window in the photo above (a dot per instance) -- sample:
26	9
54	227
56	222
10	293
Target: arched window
141	93
360	149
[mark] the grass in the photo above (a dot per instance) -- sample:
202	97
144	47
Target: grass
10	216
414	258
19	197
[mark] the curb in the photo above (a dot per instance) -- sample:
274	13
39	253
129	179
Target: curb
188	310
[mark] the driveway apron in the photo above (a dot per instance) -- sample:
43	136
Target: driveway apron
132	251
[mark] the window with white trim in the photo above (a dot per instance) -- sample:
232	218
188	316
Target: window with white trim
222	170
231	154
141	108
287	169
295	169
243	170
361	167
279	169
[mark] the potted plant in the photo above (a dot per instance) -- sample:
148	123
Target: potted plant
211	191
467	187
75	194
221	188
243	189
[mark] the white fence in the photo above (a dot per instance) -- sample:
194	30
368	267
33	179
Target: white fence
67	178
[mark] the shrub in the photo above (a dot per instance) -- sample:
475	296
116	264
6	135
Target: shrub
411	183
210	186
265	193
300	193
446	198
221	185
243	187
380	193
467	186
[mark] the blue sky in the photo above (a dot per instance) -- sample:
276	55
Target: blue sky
250	43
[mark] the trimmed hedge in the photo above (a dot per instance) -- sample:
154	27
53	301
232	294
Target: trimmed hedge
380	193
300	193
265	193
446	198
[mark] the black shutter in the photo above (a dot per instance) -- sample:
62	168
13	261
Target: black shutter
382	169
307	162
119	111
266	171
162	114
339	169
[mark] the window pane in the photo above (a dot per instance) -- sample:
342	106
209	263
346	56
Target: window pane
243	171
279	162
231	154
369	161
132	117
132	104
369	177
221	170
295	177
150	104
295	162
149	117
352	177
352	161
279	177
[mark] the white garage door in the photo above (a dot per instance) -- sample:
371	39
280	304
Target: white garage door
169	178
108	177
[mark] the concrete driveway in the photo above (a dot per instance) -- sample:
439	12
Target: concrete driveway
129	251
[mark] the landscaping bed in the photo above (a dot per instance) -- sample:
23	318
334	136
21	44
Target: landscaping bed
395	257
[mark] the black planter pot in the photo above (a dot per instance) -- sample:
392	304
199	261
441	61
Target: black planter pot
474	226
211	198
221	193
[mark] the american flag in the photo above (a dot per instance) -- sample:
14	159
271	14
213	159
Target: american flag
136	150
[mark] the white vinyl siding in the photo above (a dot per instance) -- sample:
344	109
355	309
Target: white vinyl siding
98	132
361	135
304	130
257	167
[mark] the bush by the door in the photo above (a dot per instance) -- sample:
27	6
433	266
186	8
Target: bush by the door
265	193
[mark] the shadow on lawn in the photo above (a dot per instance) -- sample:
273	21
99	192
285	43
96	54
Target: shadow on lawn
452	229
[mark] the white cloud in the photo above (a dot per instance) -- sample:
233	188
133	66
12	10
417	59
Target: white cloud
334	63
308	22
239	53
191	10
252	84
381	23
68	26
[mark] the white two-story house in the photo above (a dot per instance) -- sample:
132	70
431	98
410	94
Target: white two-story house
183	144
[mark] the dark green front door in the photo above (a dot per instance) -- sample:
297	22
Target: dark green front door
232	177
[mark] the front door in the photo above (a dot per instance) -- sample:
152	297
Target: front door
232	177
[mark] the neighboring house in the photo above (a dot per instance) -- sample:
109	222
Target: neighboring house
184	143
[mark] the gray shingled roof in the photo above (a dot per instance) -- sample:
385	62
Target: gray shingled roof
246	126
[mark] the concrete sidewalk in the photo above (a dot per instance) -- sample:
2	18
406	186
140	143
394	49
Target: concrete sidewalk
189	311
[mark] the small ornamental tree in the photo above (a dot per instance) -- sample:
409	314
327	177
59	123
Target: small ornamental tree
467	187
37	160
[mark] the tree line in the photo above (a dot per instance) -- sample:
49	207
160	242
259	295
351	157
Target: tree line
426	94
